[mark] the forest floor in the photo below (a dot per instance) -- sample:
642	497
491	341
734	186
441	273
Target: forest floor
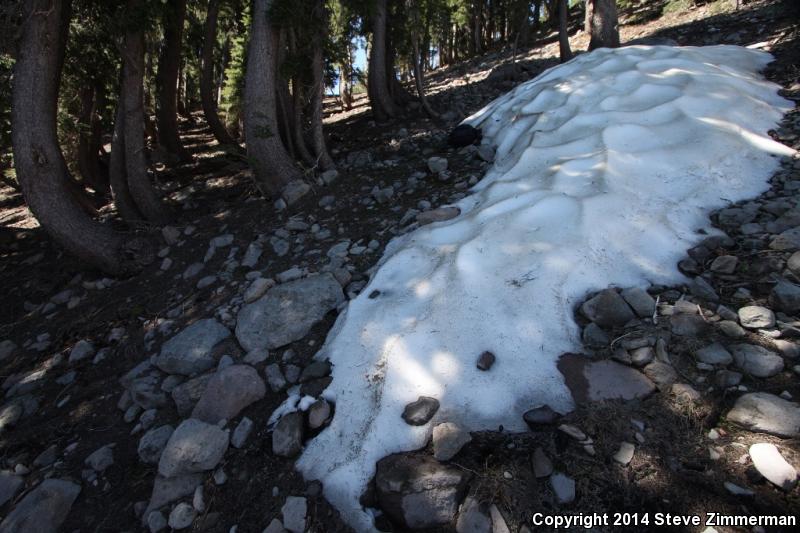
56	413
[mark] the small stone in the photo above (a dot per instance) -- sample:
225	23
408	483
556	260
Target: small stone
642	356
761	411
182	516
294	514
198	501
194	446
624	454
731	329
688	325
189	352
686	391
542	465
640	301
83	349
473	518
573	431
448	439
714	354
485	361
228	392
702	289
736	490
563	488
785	297
439	214
287	437
275	527
541	415
156	521
153	443
420	412
594	336
294	190
242	431
724	264
756	360
275	377
319	414
662	374
607	309
437	164
101	459
756	317
316	370
770	463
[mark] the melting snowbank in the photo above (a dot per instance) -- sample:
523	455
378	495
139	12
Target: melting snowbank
606	167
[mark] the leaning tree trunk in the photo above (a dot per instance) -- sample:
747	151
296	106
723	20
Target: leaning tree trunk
563	36
40	167
169	64
272	166
325	161
132	97
601	19
383	108
207	78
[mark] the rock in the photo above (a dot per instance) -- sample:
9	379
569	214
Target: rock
688	325
640	301
473	517
101	458
294	514
257	288
642	356
563	488
573	431
464	135
448	439
756	360
625	452
329	176
190	351
10	485
420	412
242	431
418	491
594	336
714	354
727	378
275	377
593	381
788	240
440	214
228	392
316	370
194	446
542	466
785	297
182	516
146	391
252	255
153	442
499	524
275	527
437	164
685	391
702	289
187	394
486	153
736	490
539	416
318	414
761	411
485	361
294	190
7	348
83	349
607	309
756	317
156	521
770	463
724	264
168	490
287	312
731	329
42	509
662	374
287	437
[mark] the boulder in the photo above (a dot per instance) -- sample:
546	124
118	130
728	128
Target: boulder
43	509
190	351
193	447
228	392
287	312
419	492
593	381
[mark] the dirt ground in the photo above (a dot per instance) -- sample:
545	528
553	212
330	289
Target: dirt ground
671	472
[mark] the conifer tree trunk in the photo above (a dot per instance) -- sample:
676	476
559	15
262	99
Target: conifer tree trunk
563	36
325	161
118	175
169	65
383	108
207	96
602	24
272	166
132	96
41	170
416	59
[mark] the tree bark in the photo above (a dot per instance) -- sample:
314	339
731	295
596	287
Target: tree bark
419	81
41	170
563	36
207	78
383	108
118	176
272	166
142	191
601	19
88	157
324	159
169	64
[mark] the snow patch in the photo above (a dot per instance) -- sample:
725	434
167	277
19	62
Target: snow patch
606	166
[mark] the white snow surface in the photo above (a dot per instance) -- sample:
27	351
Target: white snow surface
606	167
